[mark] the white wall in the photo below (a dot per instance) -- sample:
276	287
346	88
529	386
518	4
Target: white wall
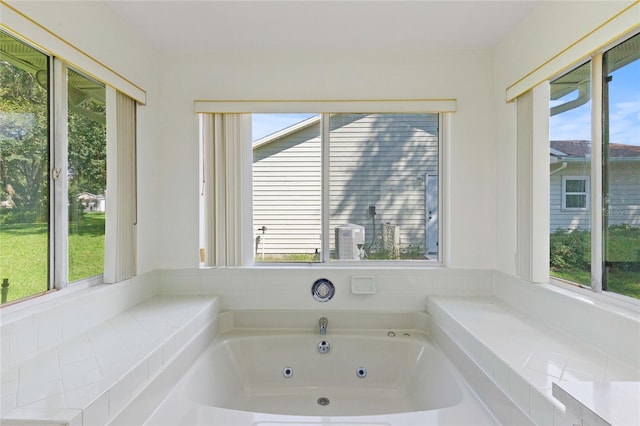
95	30
276	75
551	28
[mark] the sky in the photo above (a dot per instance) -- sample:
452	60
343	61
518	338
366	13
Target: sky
266	124
624	115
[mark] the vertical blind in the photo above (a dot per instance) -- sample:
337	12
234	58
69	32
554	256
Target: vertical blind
120	233
227	155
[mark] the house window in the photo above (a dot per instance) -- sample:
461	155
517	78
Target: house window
595	236
52	173
346	187
575	192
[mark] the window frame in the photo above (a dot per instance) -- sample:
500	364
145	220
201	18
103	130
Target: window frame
58	188
565	193
595	190
442	106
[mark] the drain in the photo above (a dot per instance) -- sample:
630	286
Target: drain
361	372
323	401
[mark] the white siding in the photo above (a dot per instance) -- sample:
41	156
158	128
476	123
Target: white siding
624	193
375	160
287	192
624	197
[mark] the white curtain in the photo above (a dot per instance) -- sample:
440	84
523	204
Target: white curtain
532	186
121	197
226	191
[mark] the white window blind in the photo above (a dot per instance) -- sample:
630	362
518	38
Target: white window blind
226	189
120	232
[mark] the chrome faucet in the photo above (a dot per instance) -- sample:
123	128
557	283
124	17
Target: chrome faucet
323	325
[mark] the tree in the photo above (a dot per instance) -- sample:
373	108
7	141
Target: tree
24	140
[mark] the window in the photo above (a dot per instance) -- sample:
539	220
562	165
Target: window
52	176
86	175
575	192
24	165
621	168
595	236
348	187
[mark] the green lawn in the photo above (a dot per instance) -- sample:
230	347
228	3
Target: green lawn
24	252
570	258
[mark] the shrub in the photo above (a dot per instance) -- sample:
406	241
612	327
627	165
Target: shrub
569	249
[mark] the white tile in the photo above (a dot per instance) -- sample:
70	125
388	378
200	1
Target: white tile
78	349
23	343
585	364
5	351
619	372
549	363
542	410
81	374
97	413
520	390
41	369
119	395
8	402
565	418
139	376
80	398
76	421
168	350
37	391
156	362
629	342
9	381
49	334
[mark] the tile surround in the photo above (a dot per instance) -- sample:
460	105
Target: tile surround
526	346
95	374
28	333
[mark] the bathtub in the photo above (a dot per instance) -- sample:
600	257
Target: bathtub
266	368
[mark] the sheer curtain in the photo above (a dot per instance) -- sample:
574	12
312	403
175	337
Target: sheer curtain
121	197
226	191
532	186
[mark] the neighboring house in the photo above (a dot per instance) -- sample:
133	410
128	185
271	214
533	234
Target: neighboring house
91	202
381	161
570	165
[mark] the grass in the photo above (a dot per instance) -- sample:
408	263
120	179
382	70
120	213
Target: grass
24	254
623	251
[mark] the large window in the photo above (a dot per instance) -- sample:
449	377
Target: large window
595	217
349	187
24	165
52	172
621	168
87	175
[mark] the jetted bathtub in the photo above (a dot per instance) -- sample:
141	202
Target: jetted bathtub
274	368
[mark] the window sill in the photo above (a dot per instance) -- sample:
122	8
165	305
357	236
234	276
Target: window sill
40	301
606	300
355	264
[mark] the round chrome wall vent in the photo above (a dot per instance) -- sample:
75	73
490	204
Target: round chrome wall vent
323	290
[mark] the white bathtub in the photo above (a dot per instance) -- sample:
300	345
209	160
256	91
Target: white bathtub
265	368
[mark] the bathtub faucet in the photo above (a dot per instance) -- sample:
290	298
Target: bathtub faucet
323	325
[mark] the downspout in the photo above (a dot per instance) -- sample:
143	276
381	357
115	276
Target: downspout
562	167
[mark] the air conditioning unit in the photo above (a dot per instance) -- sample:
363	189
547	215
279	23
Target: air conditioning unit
348	237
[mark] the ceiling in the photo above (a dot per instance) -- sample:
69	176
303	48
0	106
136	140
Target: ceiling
210	26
